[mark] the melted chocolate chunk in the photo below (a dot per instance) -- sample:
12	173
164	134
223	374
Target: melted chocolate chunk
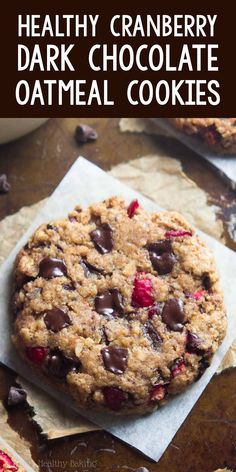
203	365
160	247
109	303
90	269
206	282
102	238
16	396
115	359
22	279
194	343
60	365
56	319
173	314
152	334
161	256
50	267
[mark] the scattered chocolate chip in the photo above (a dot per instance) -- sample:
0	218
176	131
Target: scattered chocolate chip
22	279
173	314
4	184
90	269
60	365
85	133
203	365
115	359
102	238
56	319
206	282
161	256
50	267
152	334
194	344
16	396
109	303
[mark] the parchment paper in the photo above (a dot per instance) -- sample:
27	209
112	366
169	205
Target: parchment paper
85	183
16	445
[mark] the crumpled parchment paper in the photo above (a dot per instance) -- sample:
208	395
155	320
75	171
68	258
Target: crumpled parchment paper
160	178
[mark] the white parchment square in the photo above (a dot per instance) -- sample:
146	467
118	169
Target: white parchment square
84	184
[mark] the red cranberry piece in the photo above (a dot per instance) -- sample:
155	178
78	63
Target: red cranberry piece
154	310
177	233
131	210
142	292
37	354
157	392
178	367
6	463
114	397
197	295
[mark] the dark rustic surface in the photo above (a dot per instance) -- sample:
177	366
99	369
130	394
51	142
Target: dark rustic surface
35	164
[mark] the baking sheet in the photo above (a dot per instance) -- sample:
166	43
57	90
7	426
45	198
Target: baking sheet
85	183
225	165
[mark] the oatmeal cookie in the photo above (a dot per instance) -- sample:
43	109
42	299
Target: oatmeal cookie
118	306
219	134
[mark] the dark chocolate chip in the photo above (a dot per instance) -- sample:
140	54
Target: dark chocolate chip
115	359
50	267
109	303
206	282
4	184
173	314
102	238
56	319
60	365
203	365
194	344
90	269
162	264
160	247
22	279
161	256
152	334
85	133
72	219
16	396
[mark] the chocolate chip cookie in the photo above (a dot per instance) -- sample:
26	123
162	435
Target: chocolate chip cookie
118	306
219	134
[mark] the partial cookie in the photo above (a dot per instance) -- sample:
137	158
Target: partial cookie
219	134
9	463
118	306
